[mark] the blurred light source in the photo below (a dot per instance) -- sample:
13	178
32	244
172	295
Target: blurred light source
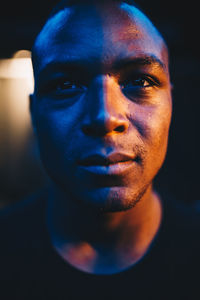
16	76
17	158
20	66
22	54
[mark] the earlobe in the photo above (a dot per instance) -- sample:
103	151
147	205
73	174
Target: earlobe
31	109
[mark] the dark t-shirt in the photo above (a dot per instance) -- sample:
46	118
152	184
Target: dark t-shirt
31	269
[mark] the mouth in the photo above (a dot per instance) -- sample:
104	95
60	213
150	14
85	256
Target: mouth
114	164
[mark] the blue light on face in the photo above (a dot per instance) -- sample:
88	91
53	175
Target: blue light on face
82	109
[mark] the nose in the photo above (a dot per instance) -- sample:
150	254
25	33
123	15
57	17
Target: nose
105	113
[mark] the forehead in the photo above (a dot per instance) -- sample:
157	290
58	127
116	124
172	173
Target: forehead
100	34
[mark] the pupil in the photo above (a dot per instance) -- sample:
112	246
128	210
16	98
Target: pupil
140	82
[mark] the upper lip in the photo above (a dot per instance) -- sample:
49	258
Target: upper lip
101	160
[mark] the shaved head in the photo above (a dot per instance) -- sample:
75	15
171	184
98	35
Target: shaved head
67	12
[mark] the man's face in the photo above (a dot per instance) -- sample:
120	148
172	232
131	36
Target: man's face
102	104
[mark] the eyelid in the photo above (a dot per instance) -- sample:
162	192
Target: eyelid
50	84
153	81
68	81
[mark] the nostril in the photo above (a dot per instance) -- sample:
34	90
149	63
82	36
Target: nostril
86	129
101	130
120	128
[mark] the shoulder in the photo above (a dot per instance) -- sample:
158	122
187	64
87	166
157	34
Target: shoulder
180	234
175	256
181	215
177	210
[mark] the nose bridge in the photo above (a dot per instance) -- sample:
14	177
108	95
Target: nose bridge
105	113
106	102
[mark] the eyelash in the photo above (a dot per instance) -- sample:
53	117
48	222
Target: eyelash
128	84
55	88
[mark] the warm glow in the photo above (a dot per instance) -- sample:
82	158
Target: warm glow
16	82
18	155
20	66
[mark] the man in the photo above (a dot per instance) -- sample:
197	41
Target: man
101	112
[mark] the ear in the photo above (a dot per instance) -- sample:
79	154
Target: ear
32	111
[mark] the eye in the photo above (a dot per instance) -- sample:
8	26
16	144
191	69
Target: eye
138	83
67	85
63	88
139	87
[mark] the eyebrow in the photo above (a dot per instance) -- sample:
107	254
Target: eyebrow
81	65
139	61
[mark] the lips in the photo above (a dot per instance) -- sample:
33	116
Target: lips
99	160
113	164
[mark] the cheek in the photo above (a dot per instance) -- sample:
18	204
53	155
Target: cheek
57	124
152	123
58	134
160	122
157	131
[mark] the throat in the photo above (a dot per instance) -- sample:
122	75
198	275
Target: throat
86	258
108	254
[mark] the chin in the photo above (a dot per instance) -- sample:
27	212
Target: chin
115	199
101	199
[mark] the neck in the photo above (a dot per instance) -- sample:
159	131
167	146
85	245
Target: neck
103	242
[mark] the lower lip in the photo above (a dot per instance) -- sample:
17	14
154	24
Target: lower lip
112	169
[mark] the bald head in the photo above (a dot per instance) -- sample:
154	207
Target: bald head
91	22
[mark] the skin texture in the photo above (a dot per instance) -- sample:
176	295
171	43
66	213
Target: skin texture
101	87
